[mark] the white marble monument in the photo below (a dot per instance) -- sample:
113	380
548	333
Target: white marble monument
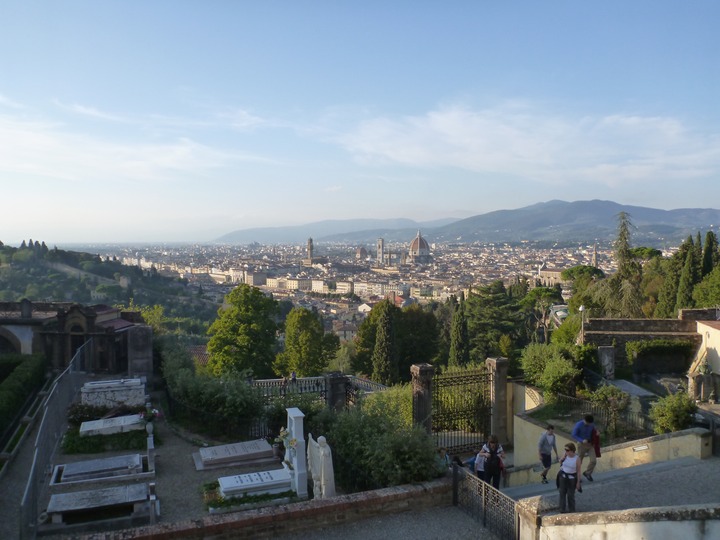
320	466
129	392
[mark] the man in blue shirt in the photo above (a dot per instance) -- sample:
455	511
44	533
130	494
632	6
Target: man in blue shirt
582	433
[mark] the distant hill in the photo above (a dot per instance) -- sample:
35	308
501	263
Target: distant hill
552	221
343	228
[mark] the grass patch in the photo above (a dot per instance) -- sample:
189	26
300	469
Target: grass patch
22	428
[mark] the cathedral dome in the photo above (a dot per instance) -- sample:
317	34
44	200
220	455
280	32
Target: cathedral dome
419	249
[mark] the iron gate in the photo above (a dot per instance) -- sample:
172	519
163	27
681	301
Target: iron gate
461	410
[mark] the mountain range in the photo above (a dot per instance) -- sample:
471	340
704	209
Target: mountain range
551	221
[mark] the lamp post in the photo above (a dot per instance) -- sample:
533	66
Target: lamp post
581	309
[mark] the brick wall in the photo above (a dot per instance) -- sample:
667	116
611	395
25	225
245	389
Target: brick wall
293	518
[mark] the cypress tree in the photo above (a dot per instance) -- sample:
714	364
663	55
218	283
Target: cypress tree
710	254
685	286
385	356
459	345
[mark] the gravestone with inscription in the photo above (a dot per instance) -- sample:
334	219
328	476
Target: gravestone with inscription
258	452
108	426
257	483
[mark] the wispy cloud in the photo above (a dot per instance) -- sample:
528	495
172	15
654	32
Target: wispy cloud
91	112
9	103
49	150
517	139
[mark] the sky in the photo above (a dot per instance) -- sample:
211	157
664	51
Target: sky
181	121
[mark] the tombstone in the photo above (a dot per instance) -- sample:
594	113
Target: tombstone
99	468
236	454
108	426
131	501
257	483
129	392
606	355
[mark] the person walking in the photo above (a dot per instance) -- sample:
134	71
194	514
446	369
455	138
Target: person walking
492	454
582	433
546	445
569	478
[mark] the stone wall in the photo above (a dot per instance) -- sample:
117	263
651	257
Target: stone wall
691	522
618	332
271	521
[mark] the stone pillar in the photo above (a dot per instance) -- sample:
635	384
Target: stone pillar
498	367
606	355
422	376
335	387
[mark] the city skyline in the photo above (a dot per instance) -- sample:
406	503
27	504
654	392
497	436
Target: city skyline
182	121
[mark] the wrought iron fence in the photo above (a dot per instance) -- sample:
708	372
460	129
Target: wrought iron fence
461	410
626	424
487	505
356	387
209	423
272	388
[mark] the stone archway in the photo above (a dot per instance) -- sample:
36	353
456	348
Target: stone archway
9	343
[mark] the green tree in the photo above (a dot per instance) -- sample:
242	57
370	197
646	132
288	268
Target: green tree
491	313
710	256
559	377
707	292
613	402
673	413
243	336
417	335
303	345
385	354
459	354
537	302
686	283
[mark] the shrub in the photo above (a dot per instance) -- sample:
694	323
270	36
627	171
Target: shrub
639	349
395	402
22	383
372	451
673	413
612	401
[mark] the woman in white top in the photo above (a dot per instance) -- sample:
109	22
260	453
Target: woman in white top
569	478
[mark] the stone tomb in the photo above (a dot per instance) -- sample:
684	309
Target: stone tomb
257	452
108	426
129	392
94	469
129	503
257	483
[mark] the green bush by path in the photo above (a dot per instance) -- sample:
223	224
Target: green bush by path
26	379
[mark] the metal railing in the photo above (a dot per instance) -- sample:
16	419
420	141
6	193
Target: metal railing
487	505
52	426
628	424
271	388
